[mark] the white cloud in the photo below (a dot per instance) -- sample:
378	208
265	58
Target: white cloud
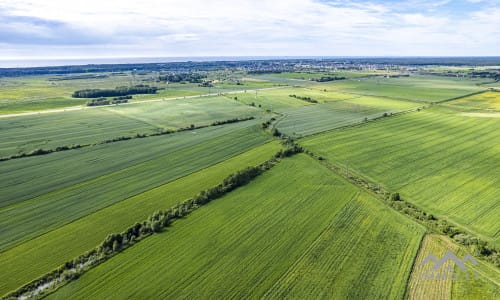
246	27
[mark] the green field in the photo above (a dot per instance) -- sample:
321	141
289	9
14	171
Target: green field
40	255
55	203
417	88
316	118
32	93
366	252
49	130
438	159
224	251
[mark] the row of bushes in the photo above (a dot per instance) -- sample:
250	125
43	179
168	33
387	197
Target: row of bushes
328	78
114	243
119	91
308	99
480	247
184	77
229	121
121	138
104	101
42	152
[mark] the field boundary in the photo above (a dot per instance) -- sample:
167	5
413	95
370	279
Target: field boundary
460	97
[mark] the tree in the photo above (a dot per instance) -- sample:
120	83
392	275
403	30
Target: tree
116	246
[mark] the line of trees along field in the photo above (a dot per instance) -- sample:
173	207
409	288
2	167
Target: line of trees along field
118	91
117	242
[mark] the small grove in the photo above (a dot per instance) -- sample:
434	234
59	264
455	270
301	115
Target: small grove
114	243
118	91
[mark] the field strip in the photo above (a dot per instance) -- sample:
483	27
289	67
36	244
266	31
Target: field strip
75	108
306	251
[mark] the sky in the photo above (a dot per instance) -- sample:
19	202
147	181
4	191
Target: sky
56	29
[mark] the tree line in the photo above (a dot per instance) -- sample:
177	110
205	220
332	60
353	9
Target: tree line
303	98
328	78
104	101
183	77
118	91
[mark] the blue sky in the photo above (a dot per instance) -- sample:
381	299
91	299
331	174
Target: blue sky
159	28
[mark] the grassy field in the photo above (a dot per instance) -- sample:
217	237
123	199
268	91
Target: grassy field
56	204
420	287
276	99
31	93
40	255
487	100
418	88
366	252
438	159
316	118
224	251
47	131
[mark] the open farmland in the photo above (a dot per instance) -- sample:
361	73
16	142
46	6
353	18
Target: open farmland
37	256
415	87
255	182
21	94
50	130
316	118
225	245
59	204
442	161
486	100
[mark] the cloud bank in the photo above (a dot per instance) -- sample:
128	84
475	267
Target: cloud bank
91	28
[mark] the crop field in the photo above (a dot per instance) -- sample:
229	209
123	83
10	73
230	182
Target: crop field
486	100
366	247
416	88
32	93
316	118
50	130
37	256
60	203
480	285
224	245
276	99
437	159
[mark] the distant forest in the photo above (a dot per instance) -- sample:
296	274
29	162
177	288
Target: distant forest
254	66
